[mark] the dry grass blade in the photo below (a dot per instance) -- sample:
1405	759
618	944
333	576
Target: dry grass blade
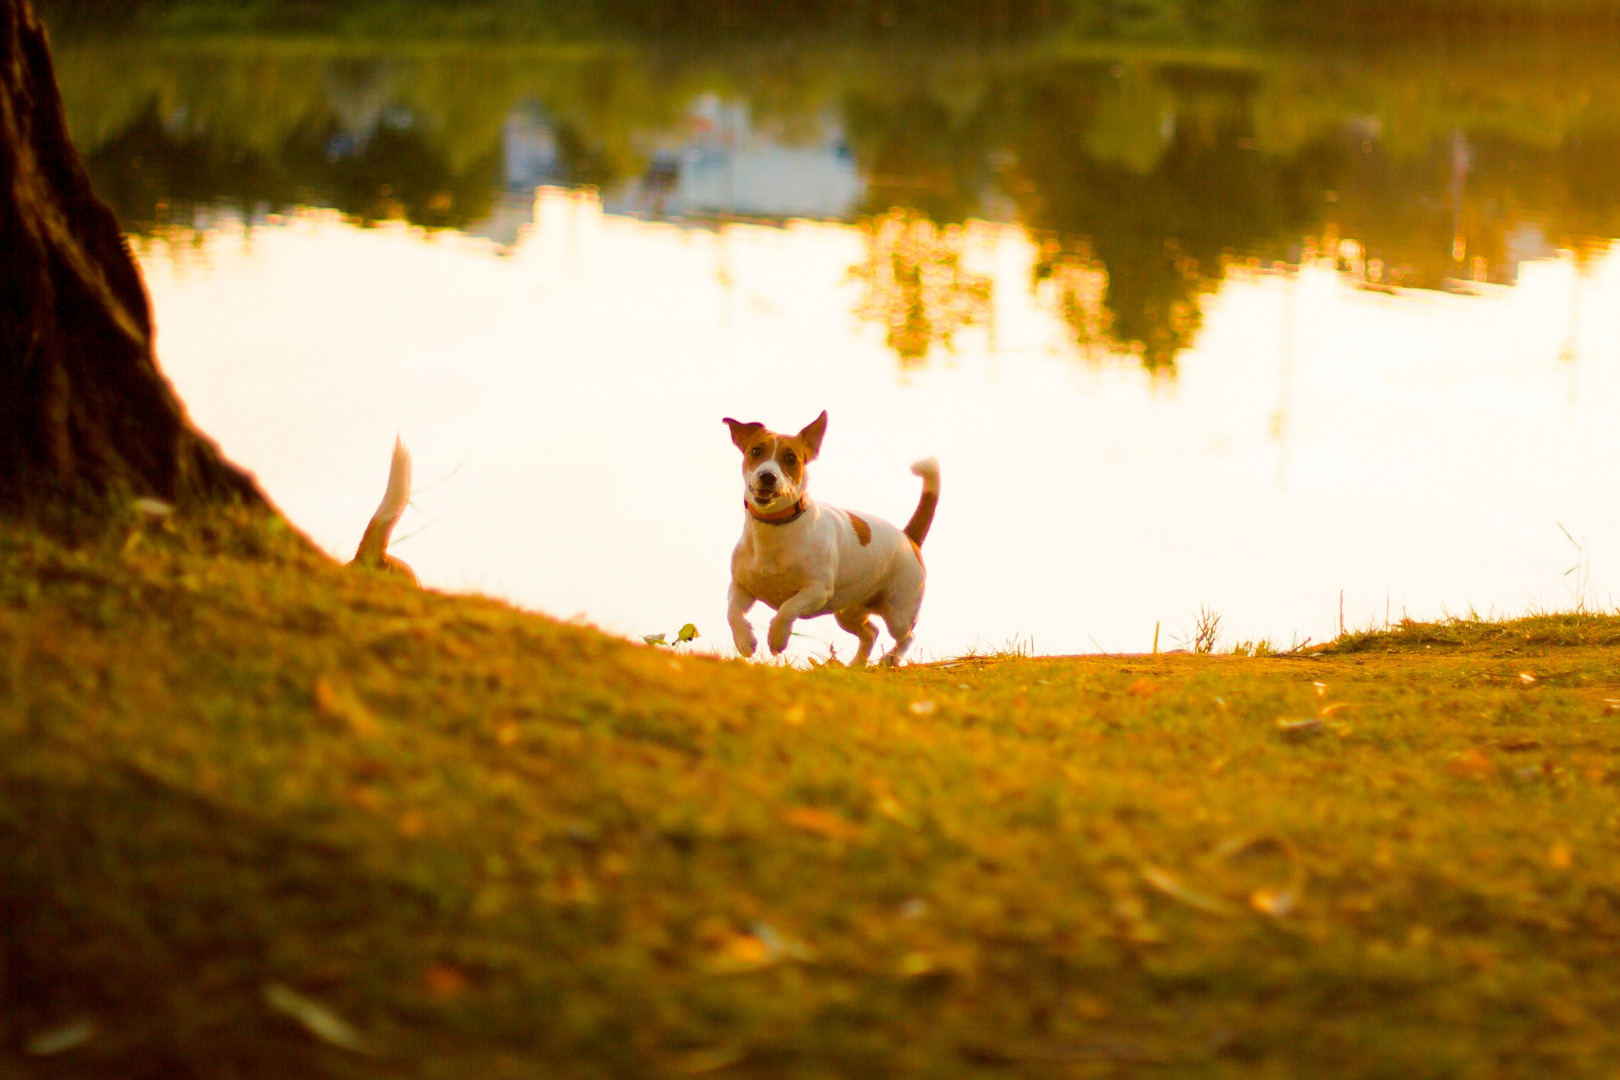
60	1040
316	1018
710	1059
1207	631
1168	884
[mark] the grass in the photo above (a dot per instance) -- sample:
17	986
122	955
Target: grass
264	817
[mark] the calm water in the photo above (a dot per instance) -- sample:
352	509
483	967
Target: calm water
1247	330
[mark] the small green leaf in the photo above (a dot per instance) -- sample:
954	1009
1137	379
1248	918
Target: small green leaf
687	633
654	639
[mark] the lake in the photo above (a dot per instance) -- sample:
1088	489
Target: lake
1305	335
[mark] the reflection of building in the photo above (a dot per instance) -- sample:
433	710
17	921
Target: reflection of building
531	157
721	165
529	149
507	222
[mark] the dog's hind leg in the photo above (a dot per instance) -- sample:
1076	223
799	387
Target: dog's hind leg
899	613
858	621
893	656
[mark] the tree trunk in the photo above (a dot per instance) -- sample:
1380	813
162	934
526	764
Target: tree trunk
84	412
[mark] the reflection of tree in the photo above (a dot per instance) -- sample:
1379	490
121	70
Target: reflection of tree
1162	231
157	174
916	284
1492	202
913	153
1138	178
395	171
1077	286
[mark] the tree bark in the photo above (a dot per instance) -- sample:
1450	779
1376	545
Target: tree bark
85	414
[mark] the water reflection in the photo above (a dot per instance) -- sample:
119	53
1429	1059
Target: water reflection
916	285
1419	450
1143	180
1162	195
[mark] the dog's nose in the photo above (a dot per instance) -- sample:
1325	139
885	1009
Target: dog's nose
767	479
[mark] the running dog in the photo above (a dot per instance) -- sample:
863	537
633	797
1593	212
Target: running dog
805	558
373	550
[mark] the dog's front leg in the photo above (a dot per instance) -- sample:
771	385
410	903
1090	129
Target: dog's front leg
738	603
807	601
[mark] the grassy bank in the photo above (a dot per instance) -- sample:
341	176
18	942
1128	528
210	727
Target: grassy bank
263	817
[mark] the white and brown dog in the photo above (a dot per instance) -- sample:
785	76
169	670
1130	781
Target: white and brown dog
805	558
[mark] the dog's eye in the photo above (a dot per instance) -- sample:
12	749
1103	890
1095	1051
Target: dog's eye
788	461
756	452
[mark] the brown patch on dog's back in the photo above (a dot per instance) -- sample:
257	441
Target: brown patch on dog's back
863	531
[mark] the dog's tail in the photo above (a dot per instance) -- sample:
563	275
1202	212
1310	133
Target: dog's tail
373	550
923	516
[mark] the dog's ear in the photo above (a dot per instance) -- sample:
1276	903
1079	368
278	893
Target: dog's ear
741	433
813	433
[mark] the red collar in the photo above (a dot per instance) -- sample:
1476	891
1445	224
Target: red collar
781	517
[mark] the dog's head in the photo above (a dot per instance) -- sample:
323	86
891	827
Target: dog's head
774	475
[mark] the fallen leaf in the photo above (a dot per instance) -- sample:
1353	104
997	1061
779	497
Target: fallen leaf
1329	710
653	639
710	1059
315	1018
1471	764
1273	901
1562	1012
444	981
922	708
1321	688
60	1040
810	819
153	507
1298	728
780	944
336	701
1526	678
916	964
890	806
740	954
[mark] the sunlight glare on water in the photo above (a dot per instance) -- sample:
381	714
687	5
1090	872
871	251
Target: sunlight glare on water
1418	451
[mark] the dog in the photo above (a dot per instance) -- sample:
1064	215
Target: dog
373	550
804	558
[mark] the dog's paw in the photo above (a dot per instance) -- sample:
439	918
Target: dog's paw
780	630
746	642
